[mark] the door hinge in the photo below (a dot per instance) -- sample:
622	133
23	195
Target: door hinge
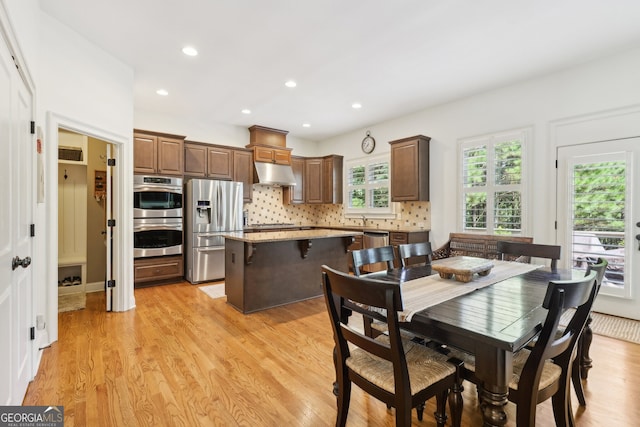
111	162
33	127
111	223
556	163
555	225
32	333
32	230
111	283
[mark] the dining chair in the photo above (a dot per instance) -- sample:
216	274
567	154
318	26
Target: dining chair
522	252
583	361
369	256
544	371
399	372
421	250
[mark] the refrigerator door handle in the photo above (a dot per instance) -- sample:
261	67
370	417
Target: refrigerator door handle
211	249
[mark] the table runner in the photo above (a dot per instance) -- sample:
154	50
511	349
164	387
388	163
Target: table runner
428	291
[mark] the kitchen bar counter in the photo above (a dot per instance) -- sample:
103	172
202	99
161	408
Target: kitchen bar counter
268	269
276	236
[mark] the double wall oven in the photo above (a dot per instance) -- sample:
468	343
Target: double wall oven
157	216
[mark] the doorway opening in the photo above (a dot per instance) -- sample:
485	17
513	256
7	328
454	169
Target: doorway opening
82	217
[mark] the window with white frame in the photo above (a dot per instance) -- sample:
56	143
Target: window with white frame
492	182
368	186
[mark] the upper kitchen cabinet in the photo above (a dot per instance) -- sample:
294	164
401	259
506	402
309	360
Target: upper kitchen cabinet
243	171
332	179
323	179
157	153
410	169
205	160
269	145
294	195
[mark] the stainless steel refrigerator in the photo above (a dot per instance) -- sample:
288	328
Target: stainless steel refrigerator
211	209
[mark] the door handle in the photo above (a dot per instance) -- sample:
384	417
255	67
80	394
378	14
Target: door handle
17	262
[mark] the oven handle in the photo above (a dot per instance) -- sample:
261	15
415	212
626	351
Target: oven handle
159	188
155	227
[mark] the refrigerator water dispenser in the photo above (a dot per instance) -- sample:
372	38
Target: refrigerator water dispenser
203	212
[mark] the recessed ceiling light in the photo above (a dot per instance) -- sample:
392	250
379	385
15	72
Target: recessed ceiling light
162	92
246	111
190	51
356	105
290	83
306	125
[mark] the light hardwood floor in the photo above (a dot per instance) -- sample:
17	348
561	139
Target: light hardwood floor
181	358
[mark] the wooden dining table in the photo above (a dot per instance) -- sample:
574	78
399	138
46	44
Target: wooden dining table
491	323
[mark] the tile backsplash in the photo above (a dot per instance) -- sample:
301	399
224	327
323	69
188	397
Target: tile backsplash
267	208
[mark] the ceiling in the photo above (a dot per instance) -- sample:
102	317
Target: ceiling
394	57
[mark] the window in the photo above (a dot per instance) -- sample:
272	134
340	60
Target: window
368	186
492	182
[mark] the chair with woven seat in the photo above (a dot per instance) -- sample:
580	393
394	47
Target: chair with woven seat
523	252
401	373
583	362
367	257
409	252
544	371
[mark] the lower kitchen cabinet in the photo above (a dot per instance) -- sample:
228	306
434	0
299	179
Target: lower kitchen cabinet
400	238
150	271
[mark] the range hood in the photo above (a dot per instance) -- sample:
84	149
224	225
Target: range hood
274	174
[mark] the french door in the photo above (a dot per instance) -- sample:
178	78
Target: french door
598	201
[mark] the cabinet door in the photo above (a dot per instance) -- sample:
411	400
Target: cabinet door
219	163
313	180
144	153
295	194
170	156
332	179
282	157
264	154
195	160
243	172
404	171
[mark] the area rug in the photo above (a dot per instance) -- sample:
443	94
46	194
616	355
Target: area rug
72	302
611	326
214	291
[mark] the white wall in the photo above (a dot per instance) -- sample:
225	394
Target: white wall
597	86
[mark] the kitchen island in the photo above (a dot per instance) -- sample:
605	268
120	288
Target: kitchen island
268	269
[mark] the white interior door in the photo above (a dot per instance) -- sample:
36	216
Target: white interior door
598	216
109	241
16	169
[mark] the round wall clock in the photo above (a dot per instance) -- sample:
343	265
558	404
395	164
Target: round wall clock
368	144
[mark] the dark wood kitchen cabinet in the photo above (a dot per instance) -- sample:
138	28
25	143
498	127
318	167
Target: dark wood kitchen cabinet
243	172
313	180
157	153
208	161
323	179
281	156
150	271
294	195
410	169
332	179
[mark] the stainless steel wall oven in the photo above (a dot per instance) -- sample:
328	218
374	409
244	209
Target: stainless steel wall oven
157	216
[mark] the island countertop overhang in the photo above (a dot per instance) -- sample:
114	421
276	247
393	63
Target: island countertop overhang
278	236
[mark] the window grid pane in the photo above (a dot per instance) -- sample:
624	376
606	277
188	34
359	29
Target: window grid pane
475	167
507	211
475	211
508	163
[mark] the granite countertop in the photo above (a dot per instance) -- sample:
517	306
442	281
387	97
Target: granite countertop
276	236
401	229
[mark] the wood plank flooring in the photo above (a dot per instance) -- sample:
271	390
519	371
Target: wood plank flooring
181	358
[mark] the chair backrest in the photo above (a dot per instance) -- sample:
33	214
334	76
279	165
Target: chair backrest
561	295
370	256
339	288
528	250
600	267
412	250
